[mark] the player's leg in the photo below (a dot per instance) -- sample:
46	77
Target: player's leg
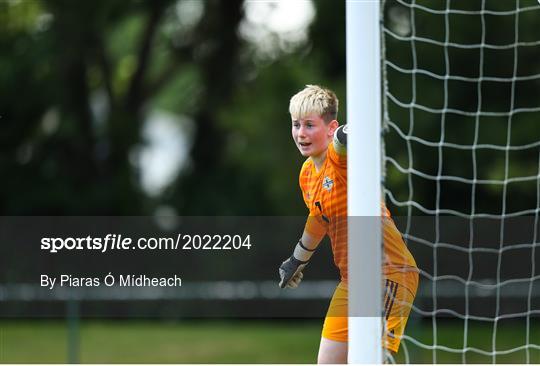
333	352
334	338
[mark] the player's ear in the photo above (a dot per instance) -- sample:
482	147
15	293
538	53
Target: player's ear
333	125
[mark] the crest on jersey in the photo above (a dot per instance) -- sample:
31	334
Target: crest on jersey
327	183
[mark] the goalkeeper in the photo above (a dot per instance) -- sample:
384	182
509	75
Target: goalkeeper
323	180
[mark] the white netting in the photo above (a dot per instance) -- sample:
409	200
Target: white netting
461	110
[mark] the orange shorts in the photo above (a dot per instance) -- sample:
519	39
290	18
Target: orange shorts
397	304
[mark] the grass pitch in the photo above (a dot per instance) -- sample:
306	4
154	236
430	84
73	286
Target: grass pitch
245	341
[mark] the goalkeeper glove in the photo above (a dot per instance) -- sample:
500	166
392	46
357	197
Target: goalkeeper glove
340	140
290	271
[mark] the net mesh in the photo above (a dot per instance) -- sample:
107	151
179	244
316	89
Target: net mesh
461	105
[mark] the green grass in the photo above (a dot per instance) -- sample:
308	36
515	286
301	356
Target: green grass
247	341
157	342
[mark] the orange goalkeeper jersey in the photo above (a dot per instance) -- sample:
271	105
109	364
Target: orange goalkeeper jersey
325	195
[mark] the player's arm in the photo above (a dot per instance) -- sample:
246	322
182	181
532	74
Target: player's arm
290	271
340	140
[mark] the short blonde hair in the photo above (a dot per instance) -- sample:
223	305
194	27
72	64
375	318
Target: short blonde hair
314	99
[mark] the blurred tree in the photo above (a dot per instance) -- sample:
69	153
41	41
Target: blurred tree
103	67
80	80
79	161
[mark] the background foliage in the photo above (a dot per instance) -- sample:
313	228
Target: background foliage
80	80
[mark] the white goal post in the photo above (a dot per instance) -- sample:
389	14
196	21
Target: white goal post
364	181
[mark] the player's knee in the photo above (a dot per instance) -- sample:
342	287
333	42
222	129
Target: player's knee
332	352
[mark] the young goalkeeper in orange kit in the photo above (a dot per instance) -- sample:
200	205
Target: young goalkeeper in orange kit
323	180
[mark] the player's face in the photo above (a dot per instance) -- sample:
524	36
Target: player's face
311	134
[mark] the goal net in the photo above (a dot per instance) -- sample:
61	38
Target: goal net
461	161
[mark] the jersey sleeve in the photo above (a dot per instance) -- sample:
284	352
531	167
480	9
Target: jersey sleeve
315	225
337	159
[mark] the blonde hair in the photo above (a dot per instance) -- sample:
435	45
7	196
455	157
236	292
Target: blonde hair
314	99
